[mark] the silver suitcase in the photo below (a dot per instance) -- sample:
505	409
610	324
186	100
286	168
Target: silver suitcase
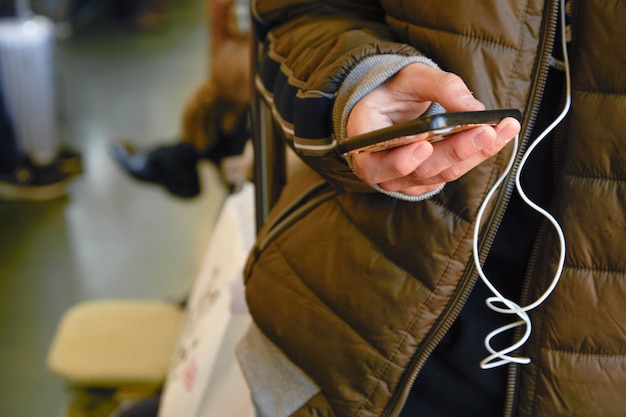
28	82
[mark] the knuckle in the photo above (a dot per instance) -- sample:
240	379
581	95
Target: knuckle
451	174
460	153
423	172
451	79
364	174
489	152
369	176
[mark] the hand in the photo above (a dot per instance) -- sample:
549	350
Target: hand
422	166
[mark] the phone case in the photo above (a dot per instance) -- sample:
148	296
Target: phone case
432	128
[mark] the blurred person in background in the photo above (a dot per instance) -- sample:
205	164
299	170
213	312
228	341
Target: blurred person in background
215	119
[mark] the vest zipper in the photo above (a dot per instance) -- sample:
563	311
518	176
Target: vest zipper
535	99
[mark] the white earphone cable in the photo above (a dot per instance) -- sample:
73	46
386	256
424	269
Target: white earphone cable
498	302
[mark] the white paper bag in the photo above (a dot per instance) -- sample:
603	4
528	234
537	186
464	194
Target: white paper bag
208	311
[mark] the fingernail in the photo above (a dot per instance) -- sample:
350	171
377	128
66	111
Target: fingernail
506	135
420	153
470	100
481	140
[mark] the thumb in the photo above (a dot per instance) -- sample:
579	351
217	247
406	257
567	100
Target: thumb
446	88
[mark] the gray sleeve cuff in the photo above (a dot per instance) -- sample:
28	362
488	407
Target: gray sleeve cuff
365	77
398	194
406	197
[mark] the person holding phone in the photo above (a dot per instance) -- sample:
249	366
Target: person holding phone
363	285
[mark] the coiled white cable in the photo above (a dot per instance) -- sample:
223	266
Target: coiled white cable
498	302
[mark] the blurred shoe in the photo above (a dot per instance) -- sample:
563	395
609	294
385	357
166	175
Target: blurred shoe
30	182
174	167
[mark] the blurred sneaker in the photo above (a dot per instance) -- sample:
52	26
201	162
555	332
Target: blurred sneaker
30	182
174	167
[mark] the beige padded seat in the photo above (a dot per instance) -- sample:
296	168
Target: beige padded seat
114	348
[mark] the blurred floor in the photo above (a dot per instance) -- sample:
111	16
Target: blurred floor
112	237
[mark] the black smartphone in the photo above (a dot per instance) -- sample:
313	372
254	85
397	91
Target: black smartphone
433	128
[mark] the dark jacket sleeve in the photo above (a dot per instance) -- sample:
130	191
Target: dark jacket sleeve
308	50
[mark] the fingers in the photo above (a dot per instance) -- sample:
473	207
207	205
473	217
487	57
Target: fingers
507	129
419	167
463	151
385	166
451	159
